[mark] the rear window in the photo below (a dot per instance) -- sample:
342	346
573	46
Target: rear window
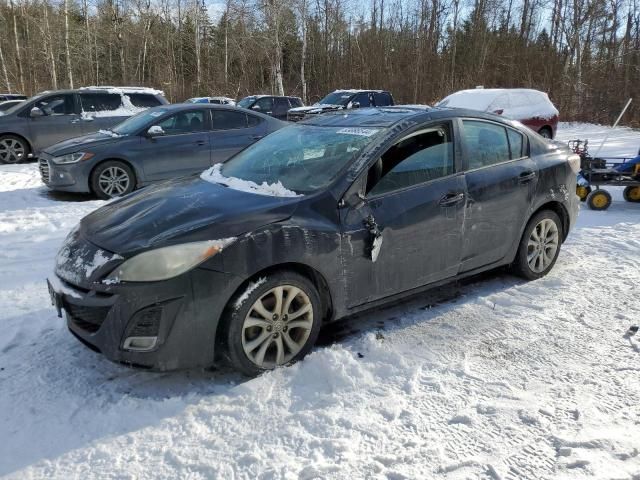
143	100
228	120
100	102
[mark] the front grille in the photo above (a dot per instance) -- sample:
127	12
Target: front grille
44	170
87	318
295	117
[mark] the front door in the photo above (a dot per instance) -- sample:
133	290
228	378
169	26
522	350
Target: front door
501	181
182	148
60	121
407	230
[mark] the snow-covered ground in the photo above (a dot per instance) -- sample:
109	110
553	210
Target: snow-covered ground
496	378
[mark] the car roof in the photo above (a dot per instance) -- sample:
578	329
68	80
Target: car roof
385	117
108	89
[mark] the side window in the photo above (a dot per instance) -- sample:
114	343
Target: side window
486	143
56	105
362	99
264	104
253	121
295	102
417	158
281	105
228	120
100	102
517	144
143	100
183	122
382	99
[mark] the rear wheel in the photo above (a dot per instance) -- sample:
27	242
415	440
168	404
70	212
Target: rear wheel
112	179
273	324
632	194
599	200
583	192
13	149
540	245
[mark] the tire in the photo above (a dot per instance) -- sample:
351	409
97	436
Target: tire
599	200
632	194
112	169
534	258
13	149
545	132
242	333
583	192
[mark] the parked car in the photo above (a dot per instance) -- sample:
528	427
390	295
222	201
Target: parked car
531	107
7	104
317	221
52	117
214	100
343	99
271	105
157	144
12	96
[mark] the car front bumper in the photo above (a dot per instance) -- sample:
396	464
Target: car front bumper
66	178
181	315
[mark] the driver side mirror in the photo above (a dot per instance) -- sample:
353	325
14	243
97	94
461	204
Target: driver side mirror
36	112
155	131
256	107
355	104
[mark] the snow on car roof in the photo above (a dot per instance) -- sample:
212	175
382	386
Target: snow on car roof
121	90
357	90
480	98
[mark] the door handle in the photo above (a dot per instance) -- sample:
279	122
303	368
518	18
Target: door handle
527	176
200	143
451	199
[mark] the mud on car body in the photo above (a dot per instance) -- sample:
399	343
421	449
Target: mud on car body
317	221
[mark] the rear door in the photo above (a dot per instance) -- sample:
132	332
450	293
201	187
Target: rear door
382	99
61	120
100	110
183	149
414	205
232	131
280	107
501	181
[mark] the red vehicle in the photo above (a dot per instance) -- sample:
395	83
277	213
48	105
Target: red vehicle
530	107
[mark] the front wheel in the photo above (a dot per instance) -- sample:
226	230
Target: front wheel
540	245
274	321
599	200
112	179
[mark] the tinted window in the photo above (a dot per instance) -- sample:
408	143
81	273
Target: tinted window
295	102
253	120
100	102
382	99
362	99
416	159
56	105
227	120
516	143
486	143
264	104
183	122
246	102
281	103
142	100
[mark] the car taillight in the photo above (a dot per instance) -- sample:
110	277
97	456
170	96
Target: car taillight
574	162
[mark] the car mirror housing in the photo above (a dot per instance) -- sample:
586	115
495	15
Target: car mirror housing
355	104
155	131
36	112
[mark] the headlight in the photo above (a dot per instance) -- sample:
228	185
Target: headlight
167	262
73	157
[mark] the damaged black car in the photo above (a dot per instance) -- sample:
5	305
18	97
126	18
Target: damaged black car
322	219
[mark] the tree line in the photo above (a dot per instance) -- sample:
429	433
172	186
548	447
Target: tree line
584	53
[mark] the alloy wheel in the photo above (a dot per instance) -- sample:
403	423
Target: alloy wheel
277	326
114	181
542	245
11	150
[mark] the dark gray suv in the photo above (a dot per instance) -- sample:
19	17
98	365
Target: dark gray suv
51	117
161	143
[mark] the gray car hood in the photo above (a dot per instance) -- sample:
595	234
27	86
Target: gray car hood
88	142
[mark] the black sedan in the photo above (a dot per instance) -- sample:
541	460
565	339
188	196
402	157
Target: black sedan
315	222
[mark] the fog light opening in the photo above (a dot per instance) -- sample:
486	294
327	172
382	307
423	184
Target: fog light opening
140	344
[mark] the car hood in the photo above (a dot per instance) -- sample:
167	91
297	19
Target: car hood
184	210
93	140
318	108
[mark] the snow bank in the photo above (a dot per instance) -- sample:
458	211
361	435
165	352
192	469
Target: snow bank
623	142
214	175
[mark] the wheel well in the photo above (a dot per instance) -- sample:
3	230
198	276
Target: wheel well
20	137
126	162
546	127
561	211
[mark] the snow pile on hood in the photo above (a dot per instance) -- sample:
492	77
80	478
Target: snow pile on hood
214	175
110	133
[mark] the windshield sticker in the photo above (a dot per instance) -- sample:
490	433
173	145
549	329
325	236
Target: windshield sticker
155	114
363	132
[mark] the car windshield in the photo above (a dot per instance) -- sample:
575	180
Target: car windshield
133	124
336	98
246	101
303	158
